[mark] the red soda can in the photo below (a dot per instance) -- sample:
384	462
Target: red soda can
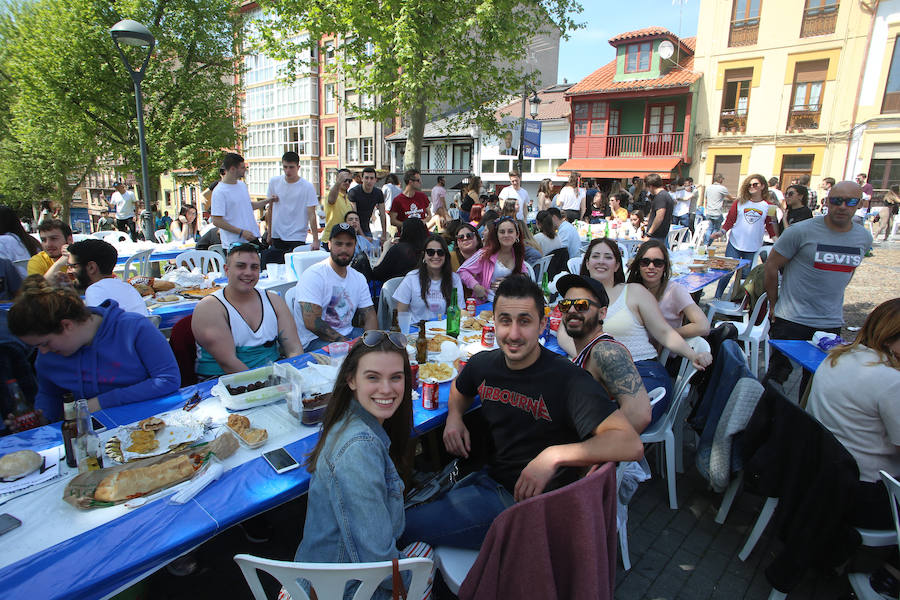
487	336
430	394
414	370
471	307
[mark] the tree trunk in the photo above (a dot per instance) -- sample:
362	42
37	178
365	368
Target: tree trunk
413	155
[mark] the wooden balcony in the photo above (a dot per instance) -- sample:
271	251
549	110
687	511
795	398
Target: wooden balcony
804	117
641	144
743	32
733	121
818	21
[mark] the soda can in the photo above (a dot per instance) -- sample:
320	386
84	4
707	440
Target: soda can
430	394
471	307
487	336
414	370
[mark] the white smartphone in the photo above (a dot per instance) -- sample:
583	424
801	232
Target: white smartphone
280	460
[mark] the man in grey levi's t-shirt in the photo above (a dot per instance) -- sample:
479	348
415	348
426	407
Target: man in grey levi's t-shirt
819	257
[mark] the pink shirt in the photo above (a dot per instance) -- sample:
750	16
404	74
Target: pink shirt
675	299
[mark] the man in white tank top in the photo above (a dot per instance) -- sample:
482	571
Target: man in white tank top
239	327
608	361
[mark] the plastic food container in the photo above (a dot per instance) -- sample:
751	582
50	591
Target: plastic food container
274	392
245	443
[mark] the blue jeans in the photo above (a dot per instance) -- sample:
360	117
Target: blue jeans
732	252
684	220
654	375
715	224
318	343
461	517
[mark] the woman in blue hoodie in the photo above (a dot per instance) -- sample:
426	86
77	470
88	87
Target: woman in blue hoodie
101	353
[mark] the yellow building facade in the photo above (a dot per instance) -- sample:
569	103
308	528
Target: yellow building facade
780	87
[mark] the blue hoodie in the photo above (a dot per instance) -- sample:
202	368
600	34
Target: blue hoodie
129	360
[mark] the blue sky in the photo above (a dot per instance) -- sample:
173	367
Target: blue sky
587	49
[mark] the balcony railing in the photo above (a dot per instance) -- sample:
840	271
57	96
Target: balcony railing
818	21
804	117
733	120
743	32
643	144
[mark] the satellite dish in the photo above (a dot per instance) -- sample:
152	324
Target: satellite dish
666	49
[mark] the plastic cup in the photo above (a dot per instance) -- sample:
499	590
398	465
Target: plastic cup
403	320
338	352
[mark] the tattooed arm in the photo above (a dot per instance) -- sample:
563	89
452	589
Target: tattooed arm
612	366
368	317
312	320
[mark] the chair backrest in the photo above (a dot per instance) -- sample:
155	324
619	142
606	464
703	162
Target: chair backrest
161	236
656	394
682	386
757	316
541	266
700	230
528	270
574	264
142	259
205	260
80	237
329	579
116	237
386	303
893	489
300	261
219	248
678	238
103	234
303	248
184	347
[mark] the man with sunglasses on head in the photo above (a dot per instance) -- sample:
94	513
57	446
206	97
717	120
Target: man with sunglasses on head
818	257
583	309
543	413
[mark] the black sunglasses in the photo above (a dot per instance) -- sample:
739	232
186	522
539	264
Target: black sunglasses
465	236
580	304
373	337
434	251
839	200
656	262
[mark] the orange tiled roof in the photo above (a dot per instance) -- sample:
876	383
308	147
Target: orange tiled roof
602	80
553	105
639	33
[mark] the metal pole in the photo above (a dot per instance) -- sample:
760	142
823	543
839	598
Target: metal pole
522	131
150	227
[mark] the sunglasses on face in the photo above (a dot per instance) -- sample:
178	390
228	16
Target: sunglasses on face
465	236
659	263
839	200
434	251
373	337
581	305
755	184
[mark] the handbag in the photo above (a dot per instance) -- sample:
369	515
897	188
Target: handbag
435	485
399	590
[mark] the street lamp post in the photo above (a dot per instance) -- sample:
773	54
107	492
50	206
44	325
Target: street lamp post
535	102
132	33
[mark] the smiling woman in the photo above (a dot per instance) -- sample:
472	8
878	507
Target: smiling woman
427	291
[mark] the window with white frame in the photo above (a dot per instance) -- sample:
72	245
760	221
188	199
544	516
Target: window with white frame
330	145
328	53
368	150
366	100
330	99
278	100
271	140
259	173
352	150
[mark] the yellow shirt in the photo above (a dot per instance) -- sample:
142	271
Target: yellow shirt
334	213
622	214
40	263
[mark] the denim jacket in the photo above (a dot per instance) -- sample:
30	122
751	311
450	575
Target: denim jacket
355	508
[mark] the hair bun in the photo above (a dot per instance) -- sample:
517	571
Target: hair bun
36	284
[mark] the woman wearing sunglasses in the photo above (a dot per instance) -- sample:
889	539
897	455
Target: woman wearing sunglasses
425	292
796	197
633	316
467	243
362	459
503	254
748	220
652	269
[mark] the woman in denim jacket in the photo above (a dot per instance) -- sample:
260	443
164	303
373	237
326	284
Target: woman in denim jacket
355	509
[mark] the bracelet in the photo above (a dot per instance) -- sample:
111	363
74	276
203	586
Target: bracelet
241	233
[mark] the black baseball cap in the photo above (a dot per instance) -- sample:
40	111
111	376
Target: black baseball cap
342	228
568	282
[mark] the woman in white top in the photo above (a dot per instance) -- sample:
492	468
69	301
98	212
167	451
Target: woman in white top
632	317
15	244
569	200
185	227
748	219
425	292
547	237
633	228
652	268
851	397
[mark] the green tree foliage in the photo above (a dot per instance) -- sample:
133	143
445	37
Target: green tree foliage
421	56
67	102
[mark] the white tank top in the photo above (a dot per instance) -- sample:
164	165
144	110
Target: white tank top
749	226
621	323
241	332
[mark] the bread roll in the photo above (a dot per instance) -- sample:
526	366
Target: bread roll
161	285
135	482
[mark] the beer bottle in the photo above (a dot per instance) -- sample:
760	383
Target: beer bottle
421	345
395	324
453	315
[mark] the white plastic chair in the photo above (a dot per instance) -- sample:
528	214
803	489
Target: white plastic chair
386	303
528	270
678	238
664	430
218	248
205	260
117	237
100	235
329	579
142	259
540	267
80	237
626	253
755	336
161	236
300	261
700	230
860	581
574	264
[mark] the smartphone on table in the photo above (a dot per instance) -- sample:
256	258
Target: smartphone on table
280	460
8	523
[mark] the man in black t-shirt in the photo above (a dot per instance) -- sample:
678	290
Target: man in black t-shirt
661	207
366	197
543	412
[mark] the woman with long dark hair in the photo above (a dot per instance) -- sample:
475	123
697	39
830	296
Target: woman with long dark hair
15	244
468	241
185	226
547	237
545	194
402	257
362	459
425	292
502	255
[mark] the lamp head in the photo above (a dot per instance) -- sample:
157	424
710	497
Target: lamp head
131	33
535	102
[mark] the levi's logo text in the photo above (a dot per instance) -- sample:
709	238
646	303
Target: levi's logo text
837	258
537	408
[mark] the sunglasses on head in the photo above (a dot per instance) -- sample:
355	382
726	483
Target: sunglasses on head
839	200
504	219
434	251
656	262
373	337
465	236
580	304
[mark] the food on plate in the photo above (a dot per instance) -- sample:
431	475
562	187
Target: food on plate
439	371
143	442
142	480
169	298
723	264
254	436
234	390
436	329
19	464
152	424
475	337
143	290
238	422
434	344
475	324
697	268
161	285
199	292
114	449
486	315
314	408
